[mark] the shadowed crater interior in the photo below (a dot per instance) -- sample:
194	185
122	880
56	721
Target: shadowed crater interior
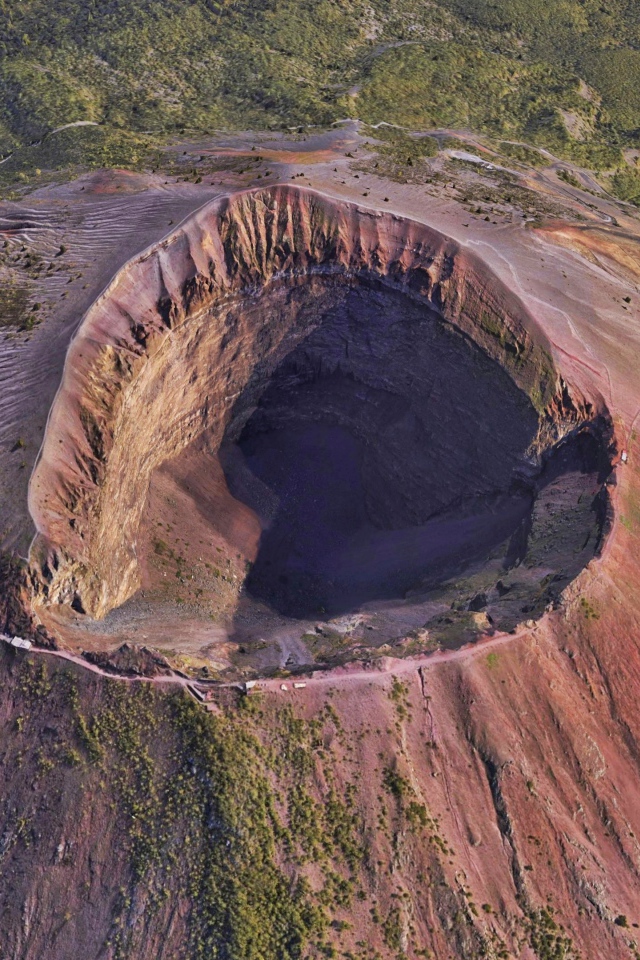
386	454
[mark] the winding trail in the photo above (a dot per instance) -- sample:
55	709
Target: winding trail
379	671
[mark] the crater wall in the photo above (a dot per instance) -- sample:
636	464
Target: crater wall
186	339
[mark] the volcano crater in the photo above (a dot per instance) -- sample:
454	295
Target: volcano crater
296	410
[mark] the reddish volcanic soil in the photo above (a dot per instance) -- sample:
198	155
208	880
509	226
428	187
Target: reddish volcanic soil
526	747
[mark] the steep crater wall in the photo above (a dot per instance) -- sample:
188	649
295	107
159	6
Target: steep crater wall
280	310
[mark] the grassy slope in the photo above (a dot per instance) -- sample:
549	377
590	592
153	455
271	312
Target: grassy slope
145	70
235	836
195	811
134	824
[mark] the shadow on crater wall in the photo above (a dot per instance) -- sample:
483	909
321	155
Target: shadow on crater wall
391	447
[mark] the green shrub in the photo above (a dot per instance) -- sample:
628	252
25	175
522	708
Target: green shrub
626	185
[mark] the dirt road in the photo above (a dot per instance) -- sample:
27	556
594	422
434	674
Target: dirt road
378	671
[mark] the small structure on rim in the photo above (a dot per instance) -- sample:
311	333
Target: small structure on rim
20	643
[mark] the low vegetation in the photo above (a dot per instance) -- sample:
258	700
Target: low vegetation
251	820
139	73
218	811
548	938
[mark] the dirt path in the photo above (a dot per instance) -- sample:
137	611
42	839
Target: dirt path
377	672
380	670
93	668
